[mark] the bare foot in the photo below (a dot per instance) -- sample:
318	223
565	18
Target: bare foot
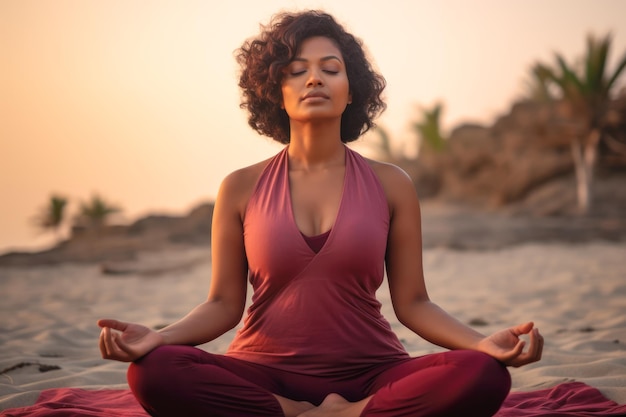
334	405
293	408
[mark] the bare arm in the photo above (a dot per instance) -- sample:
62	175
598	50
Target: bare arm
227	295
225	302
409	296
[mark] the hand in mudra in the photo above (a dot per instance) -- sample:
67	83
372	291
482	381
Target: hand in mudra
507	347
126	342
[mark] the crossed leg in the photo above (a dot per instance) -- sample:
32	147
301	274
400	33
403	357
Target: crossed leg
181	380
454	383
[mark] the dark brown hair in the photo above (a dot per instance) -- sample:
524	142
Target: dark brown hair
262	60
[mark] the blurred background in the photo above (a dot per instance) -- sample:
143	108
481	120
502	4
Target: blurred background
110	111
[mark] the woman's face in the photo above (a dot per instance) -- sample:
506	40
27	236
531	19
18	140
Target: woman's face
315	84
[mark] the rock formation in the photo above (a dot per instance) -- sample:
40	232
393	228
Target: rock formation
504	165
124	242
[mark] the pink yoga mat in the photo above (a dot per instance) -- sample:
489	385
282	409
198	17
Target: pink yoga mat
564	400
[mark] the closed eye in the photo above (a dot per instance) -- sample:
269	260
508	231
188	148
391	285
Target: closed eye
296	73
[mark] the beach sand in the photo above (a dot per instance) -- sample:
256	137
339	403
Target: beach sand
576	294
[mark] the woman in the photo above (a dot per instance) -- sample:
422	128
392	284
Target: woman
314	228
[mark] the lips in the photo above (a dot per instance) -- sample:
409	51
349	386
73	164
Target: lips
314	94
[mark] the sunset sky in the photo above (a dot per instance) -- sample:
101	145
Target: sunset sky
138	100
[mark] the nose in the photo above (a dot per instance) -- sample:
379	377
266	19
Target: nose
315	78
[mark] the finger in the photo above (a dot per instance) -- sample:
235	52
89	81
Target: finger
534	350
114	349
537	341
102	346
111	344
534	344
524	328
121	346
113	324
106	344
518	349
121	349
514	353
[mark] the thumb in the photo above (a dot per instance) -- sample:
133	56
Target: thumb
113	324
523	328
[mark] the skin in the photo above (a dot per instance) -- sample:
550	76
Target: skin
316	159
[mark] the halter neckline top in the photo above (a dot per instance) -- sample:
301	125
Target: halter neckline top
316	312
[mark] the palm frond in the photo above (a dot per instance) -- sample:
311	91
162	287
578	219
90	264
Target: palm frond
569	81
616	74
541	79
429	128
97	210
601	55
595	63
52	215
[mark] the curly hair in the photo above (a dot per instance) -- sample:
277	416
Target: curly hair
262	60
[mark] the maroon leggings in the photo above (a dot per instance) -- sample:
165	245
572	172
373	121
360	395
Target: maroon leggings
186	381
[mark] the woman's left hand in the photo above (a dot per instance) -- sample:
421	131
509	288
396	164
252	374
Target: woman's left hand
507	347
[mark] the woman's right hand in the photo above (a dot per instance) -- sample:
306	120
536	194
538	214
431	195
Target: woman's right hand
126	342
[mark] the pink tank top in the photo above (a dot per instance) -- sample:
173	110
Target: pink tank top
316	313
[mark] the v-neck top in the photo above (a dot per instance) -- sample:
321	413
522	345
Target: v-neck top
317	313
316	242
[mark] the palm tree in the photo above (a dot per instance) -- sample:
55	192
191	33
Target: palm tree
97	211
428	129
585	93
52	215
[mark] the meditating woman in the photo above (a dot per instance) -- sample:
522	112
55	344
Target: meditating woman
313	229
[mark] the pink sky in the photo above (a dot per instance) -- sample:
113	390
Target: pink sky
138	100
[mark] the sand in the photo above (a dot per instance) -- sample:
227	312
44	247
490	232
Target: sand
576	294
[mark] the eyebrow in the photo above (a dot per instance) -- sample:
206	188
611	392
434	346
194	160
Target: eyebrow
325	58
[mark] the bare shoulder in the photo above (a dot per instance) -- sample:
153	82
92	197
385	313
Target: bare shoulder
395	181
237	187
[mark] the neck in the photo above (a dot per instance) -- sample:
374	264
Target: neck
313	147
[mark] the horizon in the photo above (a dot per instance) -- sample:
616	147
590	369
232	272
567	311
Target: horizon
139	101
